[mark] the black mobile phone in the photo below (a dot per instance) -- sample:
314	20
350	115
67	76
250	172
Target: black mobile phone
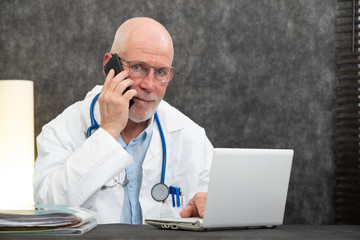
114	63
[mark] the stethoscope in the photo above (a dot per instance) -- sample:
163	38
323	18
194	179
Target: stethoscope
159	191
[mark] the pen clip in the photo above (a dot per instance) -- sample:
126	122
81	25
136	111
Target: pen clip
176	191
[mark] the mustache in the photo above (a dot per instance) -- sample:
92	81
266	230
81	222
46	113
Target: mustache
146	97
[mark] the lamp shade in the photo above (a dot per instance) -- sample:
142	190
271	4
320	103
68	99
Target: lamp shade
17	149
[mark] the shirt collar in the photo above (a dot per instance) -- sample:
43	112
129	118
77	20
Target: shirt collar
142	136
148	130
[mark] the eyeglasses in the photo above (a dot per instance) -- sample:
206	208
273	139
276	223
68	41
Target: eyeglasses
138	68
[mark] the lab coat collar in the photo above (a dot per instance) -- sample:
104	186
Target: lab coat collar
168	117
167	114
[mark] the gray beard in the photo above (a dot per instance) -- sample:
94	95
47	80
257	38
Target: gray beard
149	113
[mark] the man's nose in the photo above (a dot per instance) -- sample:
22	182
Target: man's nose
149	81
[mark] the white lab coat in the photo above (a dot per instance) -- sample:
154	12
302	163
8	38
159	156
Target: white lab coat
71	169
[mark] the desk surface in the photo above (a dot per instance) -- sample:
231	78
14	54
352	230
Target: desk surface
293	232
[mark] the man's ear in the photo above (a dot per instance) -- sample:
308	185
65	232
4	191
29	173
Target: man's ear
107	57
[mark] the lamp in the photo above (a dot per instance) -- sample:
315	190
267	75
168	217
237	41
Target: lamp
17	149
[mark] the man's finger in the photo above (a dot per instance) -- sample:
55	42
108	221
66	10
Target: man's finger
110	76
114	82
187	211
200	208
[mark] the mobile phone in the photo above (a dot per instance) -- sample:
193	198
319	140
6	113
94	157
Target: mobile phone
114	63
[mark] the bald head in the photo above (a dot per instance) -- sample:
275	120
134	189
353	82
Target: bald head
143	34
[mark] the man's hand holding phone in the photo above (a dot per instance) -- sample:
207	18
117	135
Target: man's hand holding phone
114	102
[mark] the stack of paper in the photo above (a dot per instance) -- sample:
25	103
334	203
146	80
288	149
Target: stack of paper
51	219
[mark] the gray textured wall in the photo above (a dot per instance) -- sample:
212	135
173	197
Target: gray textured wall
256	74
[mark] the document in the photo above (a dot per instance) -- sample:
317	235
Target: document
47	219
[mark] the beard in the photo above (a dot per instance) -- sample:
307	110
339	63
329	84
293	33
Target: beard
139	114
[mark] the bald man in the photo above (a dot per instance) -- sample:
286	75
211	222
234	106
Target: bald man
113	171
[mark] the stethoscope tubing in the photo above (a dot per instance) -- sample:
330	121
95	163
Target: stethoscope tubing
95	125
164	148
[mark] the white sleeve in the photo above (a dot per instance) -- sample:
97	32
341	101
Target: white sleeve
204	165
71	169
204	176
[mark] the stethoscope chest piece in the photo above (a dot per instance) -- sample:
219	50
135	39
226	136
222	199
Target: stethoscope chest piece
160	192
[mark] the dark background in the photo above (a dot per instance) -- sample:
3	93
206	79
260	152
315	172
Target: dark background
255	74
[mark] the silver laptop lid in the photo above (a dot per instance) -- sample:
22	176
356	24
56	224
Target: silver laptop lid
248	187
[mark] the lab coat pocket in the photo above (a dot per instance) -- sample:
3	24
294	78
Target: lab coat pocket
109	204
168	210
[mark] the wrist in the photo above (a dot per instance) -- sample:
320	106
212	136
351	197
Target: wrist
113	132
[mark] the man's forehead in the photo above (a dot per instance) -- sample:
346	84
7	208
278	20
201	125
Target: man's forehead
140	36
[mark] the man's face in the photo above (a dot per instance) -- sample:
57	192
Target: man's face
149	90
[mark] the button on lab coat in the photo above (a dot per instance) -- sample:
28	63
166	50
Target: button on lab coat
71	169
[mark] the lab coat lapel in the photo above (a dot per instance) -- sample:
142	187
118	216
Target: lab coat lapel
169	124
155	147
152	164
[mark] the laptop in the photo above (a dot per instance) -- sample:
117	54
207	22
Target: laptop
248	188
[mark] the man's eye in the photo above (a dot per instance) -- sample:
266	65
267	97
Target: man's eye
141	68
161	71
136	67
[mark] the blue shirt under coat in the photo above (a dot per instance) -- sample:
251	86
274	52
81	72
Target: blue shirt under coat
137	148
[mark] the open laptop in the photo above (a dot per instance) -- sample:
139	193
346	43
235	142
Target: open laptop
247	188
